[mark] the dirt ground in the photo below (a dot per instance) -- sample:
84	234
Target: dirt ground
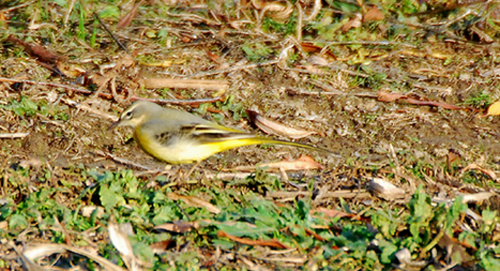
351	122
343	92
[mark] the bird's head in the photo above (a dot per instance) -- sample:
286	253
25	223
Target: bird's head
135	114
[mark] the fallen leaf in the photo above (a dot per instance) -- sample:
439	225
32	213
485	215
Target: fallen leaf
277	11
312	48
494	109
315	235
374	14
44	250
88	210
383	96
178	226
161	246
120	241
32	162
194	202
329	212
266	243
384	189
477	197
336	213
274	128
127	19
391	97
37	51
352	23
454	248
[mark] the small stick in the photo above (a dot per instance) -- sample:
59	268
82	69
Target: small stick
89	109
7	10
181	102
50	84
232	69
109	96
111	33
300	16
183	83
14	135
337	194
121	160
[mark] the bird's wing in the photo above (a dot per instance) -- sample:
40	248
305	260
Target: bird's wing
212	133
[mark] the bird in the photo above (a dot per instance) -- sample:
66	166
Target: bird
179	137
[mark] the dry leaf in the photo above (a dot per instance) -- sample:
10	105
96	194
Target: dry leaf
313	234
161	246
274	128
266	243
384	189
194	202
494	109
120	241
32	162
88	210
278	11
374	14
477	197
178	226
37	51
70	70
352	23
239	24
44	250
127	19
309	47
454	247
329	212
391	97
383	96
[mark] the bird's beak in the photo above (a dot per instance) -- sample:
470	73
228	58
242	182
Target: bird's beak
114	125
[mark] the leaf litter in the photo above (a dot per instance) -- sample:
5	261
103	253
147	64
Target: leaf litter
58	95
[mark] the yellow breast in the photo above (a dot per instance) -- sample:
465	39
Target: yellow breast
176	150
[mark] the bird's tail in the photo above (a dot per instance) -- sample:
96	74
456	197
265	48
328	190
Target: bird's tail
263	140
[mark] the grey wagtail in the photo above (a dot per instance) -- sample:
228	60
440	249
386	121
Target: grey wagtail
179	137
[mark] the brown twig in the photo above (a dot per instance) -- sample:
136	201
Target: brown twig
5	10
337	194
111	33
300	16
109	96
14	135
183	83
121	160
89	109
232	69
50	84
181	102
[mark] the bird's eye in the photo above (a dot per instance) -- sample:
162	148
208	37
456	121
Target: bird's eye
128	115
